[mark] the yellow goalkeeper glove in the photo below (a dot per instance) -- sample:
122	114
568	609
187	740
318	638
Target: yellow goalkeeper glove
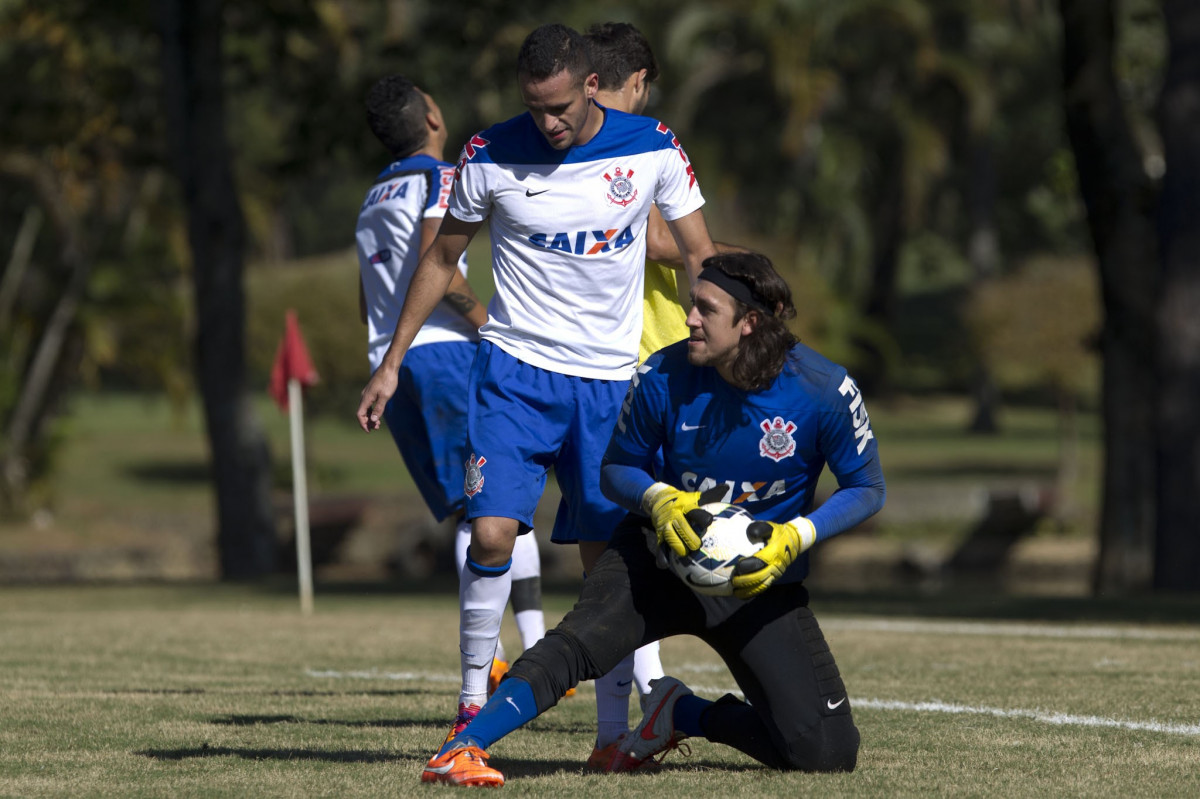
785	542
667	508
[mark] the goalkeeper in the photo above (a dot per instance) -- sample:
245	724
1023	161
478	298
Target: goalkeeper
744	413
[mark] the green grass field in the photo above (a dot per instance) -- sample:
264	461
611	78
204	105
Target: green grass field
200	690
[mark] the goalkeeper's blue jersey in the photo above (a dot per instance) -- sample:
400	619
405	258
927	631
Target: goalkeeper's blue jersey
766	447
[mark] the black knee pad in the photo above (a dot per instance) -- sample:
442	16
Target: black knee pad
553	665
526	594
830	746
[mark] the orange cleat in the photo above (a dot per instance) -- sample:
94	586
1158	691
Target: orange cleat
466	765
499	669
602	757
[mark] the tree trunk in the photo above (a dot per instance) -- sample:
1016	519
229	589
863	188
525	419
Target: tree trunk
1119	201
36	392
886	201
983	252
1177	553
196	129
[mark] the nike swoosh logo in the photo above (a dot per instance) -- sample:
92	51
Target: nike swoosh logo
623	684
687	428
529	193
440	769
648	728
512	702
829	703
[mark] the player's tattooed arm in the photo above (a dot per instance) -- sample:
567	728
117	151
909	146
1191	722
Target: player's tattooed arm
459	294
461	297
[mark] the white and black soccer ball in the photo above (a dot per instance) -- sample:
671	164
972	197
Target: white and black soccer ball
724	542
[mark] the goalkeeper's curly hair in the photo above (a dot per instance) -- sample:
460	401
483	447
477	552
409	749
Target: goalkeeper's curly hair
762	353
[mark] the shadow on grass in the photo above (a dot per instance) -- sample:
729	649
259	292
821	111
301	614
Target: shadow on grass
510	767
190	691
520	768
204	750
248	720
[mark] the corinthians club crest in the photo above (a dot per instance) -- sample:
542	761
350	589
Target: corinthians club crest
621	190
473	482
777	442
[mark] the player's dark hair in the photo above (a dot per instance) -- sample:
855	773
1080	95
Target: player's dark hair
763	352
619	50
396	115
552	48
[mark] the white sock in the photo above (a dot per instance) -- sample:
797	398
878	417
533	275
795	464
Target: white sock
647	666
527	590
531	624
481	601
462	540
612	702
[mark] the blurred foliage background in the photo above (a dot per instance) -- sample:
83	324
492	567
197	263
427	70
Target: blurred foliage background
904	163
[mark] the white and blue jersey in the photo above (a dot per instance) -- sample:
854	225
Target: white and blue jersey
405	194
766	448
427	414
568	237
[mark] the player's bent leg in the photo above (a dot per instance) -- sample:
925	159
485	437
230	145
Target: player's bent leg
601	630
796	714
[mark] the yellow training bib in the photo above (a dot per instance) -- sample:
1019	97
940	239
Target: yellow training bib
663	319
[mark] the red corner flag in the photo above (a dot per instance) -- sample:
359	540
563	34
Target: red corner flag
291	363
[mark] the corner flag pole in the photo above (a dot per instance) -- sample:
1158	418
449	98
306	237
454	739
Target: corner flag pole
300	496
292	370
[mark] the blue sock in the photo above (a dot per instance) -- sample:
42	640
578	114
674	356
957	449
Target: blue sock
687	715
512	706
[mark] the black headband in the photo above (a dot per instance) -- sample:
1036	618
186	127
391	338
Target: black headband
735	288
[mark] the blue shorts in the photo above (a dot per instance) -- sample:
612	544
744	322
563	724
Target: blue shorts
427	417
521	421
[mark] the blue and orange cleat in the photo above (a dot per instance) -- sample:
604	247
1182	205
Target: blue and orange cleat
465	714
466	765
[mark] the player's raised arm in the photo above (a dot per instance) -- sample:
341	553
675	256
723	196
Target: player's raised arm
691	236
429	286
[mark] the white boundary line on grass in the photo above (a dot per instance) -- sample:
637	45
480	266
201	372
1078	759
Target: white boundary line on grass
933	706
1008	629
1033	715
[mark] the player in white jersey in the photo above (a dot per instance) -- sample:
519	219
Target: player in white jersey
427	416
566	190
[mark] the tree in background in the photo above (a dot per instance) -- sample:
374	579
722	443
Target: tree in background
88	283
1177	331
1121	201
241	464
